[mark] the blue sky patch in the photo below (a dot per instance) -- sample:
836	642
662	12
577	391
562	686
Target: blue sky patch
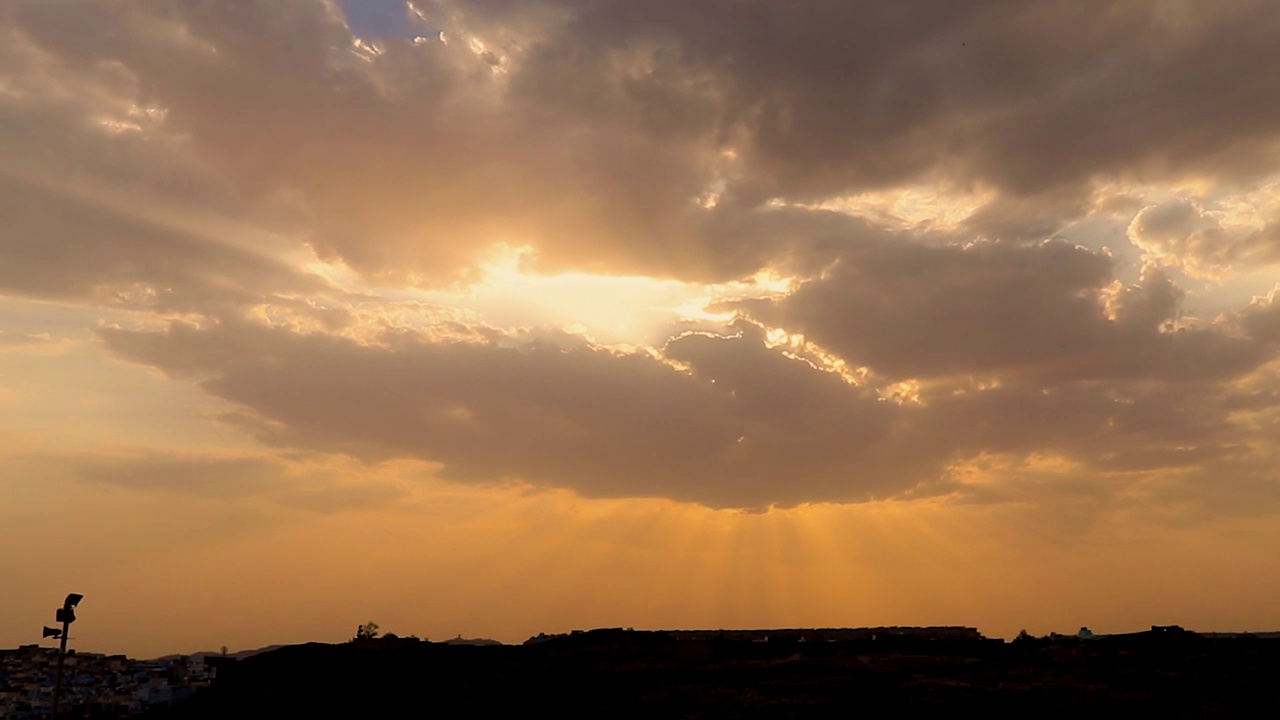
373	19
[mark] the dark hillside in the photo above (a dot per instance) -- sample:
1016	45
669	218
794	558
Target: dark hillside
639	674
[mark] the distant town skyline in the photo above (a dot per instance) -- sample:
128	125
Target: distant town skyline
500	318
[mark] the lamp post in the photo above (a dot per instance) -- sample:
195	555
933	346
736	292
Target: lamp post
66	615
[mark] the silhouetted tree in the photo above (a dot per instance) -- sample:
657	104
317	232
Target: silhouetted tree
367	631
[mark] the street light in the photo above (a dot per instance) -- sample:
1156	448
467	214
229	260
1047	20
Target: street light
65	615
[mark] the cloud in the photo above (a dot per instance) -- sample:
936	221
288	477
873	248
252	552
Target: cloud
316	484
161	158
26	341
615	136
1182	233
827	96
105	204
1261	319
1043	313
555	410
725	419
407	156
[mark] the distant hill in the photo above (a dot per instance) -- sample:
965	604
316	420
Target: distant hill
626	674
471	641
238	655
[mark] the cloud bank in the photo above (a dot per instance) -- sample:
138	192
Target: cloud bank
994	223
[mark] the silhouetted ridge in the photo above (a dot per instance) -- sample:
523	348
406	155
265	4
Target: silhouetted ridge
620	673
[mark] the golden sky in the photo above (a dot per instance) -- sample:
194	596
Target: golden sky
492	318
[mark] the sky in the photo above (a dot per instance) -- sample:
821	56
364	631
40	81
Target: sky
493	318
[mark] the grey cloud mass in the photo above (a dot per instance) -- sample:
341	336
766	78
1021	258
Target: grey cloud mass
103	203
825	97
557	411
593	131
1183	234
204	158
1047	313
732	423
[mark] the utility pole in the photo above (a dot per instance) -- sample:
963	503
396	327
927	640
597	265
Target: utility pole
66	615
